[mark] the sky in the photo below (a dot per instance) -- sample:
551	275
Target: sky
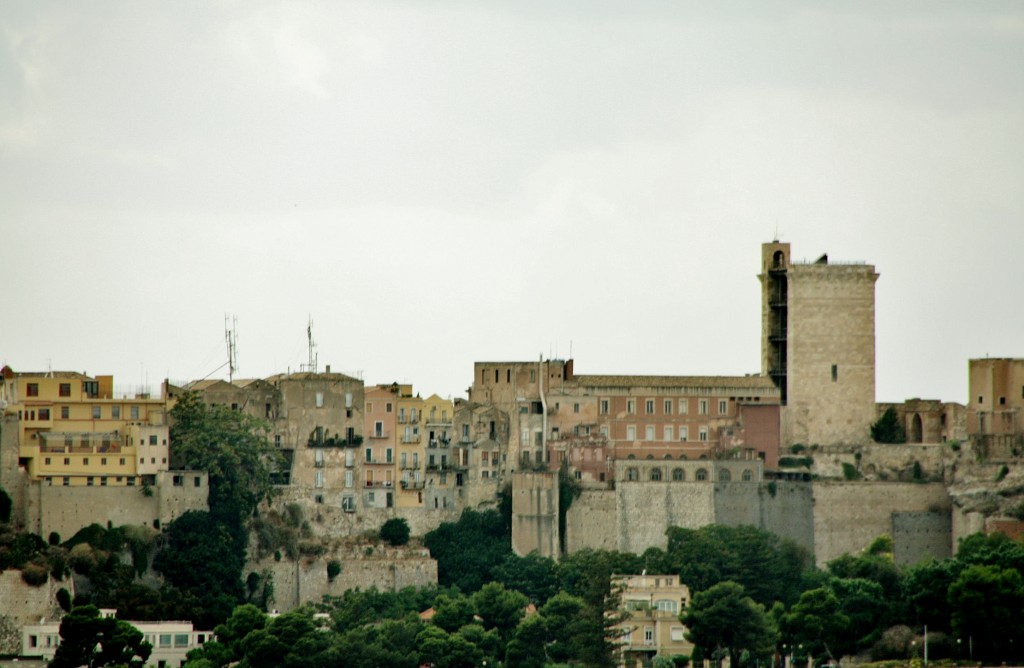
438	183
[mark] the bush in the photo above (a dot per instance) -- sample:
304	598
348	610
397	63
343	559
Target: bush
82	559
850	471
54	538
35	574
333	569
395	531
64	599
888	428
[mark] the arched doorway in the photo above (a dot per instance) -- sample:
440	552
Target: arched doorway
916	432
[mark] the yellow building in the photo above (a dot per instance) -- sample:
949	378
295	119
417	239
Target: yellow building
75	430
410	450
651	605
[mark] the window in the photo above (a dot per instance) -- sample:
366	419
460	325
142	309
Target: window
197	481
678	475
134	412
575	408
348	504
64	390
604	430
604	406
1002	402
349	478
88	481
702	474
319	399
96	414
724	475
684	433
631	406
85	461
369	455
44	413
319	478
748	475
65	412
103	461
723	406
649	406
678	633
650	432
667	605
668	407
115	412
655	474
702	407
121	462
669	433
388	456
47	461
67	461
103	481
684	406
835	372
703	434
388	407
165	639
32	390
648	635
632	474
67	482
630	433
152	439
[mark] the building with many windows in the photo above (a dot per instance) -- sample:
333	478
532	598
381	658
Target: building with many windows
650	606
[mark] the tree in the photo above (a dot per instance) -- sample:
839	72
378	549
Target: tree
888	428
987	602
925	588
817	622
87	639
526	650
231	447
395	531
500	608
467	551
724	618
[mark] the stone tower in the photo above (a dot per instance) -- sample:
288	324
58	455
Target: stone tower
818	345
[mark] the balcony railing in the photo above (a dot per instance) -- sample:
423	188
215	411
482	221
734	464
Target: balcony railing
375	460
379	434
438	422
410	439
438	443
413	484
379	483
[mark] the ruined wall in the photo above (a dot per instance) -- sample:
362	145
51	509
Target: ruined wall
589	522
535	514
917	536
875	461
22	604
362	567
849	515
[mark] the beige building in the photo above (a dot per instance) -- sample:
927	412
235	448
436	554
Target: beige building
74	430
651	605
171	641
995	408
818	345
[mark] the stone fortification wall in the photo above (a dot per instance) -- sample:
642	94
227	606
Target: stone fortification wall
787	510
589	521
737	504
68	509
876	461
362	567
644	510
849	515
916	536
535	514
22	604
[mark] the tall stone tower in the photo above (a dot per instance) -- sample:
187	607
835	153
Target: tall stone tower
818	345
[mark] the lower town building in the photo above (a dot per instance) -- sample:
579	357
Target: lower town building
650	607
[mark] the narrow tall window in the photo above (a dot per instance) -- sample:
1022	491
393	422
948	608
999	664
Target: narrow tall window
835	372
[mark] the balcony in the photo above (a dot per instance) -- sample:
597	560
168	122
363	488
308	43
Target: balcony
410	439
438	422
376	461
379	434
439	467
379	483
413	484
415	466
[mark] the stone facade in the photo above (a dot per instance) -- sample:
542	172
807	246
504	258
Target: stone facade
535	514
818	344
24	604
995	408
386	568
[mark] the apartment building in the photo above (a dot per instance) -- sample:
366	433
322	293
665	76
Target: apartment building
75	430
650	606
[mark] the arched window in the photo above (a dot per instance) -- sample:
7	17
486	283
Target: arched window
748	475
724	475
631	457
916	430
668	456
678	475
702	474
655	474
650	456
632	474
778	259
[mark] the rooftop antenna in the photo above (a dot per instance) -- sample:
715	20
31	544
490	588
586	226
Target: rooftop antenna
231	338
311	365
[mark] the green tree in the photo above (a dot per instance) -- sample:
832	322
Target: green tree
87	639
817	622
231	447
533	575
987	602
888	428
452	612
995	549
467	551
204	559
395	531
563	616
925	588
769	568
724	618
526	649
500	608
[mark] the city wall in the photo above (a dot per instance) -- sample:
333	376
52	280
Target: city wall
362	567
22	604
919	535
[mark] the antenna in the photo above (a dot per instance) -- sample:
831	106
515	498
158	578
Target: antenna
231	338
311	365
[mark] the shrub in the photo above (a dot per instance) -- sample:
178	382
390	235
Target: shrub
333	569
888	428
54	538
850	471
395	531
35	574
82	558
64	599
1003	470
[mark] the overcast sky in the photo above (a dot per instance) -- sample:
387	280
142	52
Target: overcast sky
438	183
